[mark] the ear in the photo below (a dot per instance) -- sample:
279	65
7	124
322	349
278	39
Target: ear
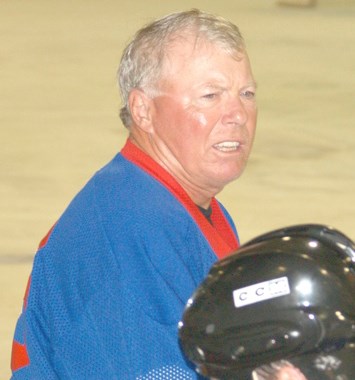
140	106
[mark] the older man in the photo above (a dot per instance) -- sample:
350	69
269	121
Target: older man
110	281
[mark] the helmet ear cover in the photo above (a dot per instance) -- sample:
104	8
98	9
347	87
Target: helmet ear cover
224	336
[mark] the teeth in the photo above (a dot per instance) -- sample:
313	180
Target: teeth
227	146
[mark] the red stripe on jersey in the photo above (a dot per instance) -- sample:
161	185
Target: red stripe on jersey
220	236
43	242
19	357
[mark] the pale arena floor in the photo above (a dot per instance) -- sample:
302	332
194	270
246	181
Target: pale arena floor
59	106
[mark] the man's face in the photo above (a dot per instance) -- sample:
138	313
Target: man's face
204	118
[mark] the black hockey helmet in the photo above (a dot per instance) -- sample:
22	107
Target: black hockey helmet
285	295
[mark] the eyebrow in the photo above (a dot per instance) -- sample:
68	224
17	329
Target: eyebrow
252	84
219	86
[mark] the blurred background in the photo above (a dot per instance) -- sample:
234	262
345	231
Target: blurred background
59	117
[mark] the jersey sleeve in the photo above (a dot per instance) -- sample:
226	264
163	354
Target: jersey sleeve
30	357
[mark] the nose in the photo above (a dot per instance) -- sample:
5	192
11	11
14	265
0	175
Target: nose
235	112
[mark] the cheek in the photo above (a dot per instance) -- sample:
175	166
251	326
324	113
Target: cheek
206	120
200	119
253	120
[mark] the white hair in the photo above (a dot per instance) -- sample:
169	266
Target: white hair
143	58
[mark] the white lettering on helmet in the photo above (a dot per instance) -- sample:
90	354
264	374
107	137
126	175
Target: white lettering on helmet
260	292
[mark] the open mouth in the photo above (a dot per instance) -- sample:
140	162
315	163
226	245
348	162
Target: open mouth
227	146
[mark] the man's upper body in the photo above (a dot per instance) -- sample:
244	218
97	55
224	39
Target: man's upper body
109	283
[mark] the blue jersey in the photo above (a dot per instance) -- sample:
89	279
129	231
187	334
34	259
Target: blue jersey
111	279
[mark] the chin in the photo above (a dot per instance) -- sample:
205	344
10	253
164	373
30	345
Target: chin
226	179
232	174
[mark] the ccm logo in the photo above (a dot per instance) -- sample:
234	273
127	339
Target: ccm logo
260	292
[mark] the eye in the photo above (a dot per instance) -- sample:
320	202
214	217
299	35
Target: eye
248	94
210	96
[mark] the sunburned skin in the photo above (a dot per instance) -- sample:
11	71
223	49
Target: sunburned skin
223	146
200	127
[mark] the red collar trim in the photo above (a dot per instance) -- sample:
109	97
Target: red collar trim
220	235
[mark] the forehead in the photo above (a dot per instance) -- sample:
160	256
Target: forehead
190	47
198	58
